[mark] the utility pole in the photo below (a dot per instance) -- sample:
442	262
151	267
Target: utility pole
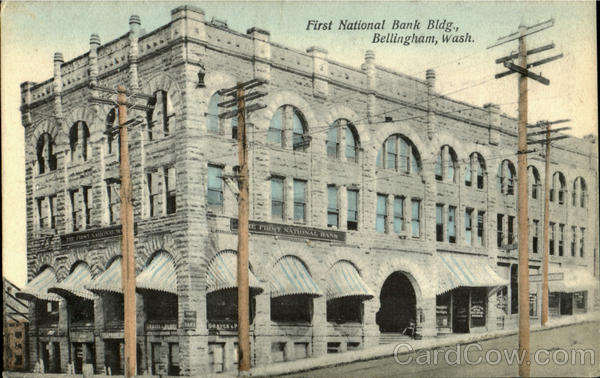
546	244
243	289
127	223
522	210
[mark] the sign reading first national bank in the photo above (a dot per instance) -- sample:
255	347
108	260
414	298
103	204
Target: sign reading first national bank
93	234
292	230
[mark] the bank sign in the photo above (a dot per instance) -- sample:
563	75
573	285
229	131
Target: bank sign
266	228
93	234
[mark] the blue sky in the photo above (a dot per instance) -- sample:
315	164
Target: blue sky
33	31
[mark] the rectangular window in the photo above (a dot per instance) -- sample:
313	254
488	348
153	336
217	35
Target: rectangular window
468	226
171	192
42	214
277	198
535	238
581	242
439	222
153	194
452	224
552	233
404	156
299	201
75	210
511	229
87	202
561	239
332	206
499	232
352	209
214	193
113	201
381	221
53	209
416	218
398	214
573	240
480	227
468	175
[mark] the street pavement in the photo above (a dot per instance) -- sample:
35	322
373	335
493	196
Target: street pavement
559	353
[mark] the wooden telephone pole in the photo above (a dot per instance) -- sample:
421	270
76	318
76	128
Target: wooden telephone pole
243	289
522	211
546	243
126	213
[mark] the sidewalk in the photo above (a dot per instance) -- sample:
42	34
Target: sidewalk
377	352
387	350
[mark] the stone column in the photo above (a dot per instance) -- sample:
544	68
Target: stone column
369	67
319	327
57	84
320	71
431	101
133	51
494	122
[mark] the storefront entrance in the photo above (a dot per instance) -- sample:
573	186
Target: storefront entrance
398	309
460	321
114	356
461	310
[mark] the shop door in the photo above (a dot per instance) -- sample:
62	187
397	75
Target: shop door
566	303
460	311
45	355
113	350
78	358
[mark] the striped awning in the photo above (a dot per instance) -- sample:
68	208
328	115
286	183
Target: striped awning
110	280
343	280
290	277
574	279
222	274
37	288
456	270
159	275
74	283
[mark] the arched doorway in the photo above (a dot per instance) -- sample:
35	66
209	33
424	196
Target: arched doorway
398	304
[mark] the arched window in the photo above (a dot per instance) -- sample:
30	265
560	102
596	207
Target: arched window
534	180
579	192
212	115
336	130
476	169
158	117
288	117
45	154
506	177
400	154
445	164
558	188
78	141
112	133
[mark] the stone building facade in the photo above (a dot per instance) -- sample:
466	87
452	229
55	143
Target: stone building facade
379	208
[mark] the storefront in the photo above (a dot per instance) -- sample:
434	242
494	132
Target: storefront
465	287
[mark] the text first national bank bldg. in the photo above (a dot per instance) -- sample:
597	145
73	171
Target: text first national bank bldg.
377	206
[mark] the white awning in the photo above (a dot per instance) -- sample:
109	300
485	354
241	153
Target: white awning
37	288
74	283
159	275
574	279
343	280
455	270
110	280
222	274
290	277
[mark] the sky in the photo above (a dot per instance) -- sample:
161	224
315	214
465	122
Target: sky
31	32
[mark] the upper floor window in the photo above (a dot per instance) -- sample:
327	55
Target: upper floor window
439	222
214	194
416	218
534	180
112	134
46	211
80	201
342	127
381	219
561	239
535	236
171	189
398	214
332	206
212	115
579	192
499	230
277	197
511	229
299	201
468	226
113	200
552	238
445	164
475	171
480	227
506	178
46	157
451	224
158	117
558	188
288	117
78	141
400	154
573	240
352	220
581	241
153	181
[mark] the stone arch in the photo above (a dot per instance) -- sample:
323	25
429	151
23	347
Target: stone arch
91	116
42	261
316	269
109	253
392	128
278	99
52	128
154	244
338	111
415	274
164	81
460	148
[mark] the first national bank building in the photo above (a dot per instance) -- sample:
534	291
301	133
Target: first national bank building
377	205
